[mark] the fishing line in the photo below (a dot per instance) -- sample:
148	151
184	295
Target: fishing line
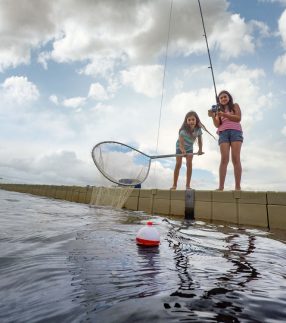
164	76
209	55
163	85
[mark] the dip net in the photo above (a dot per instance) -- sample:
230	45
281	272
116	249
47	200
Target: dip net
120	163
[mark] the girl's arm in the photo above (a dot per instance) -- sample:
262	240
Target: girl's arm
236	117
200	144
215	118
182	144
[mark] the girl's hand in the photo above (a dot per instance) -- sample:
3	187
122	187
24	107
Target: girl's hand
222	114
183	150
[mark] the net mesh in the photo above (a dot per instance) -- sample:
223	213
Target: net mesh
110	196
120	163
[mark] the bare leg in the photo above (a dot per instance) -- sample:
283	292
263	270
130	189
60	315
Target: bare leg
177	171
235	156
224	151
189	162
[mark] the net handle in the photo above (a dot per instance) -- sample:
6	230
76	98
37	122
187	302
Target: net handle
175	155
151	157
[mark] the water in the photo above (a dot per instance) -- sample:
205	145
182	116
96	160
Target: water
68	262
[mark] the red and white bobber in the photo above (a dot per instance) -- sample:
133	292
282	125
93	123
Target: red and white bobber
148	236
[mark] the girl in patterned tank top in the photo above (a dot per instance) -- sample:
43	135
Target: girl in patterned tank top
189	133
227	121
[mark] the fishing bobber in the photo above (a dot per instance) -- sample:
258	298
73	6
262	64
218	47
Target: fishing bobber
148	236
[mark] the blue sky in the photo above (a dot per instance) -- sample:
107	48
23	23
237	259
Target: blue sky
74	73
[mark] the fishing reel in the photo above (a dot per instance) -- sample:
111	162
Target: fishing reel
214	110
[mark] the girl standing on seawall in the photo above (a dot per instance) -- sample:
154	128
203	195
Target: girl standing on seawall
227	120
189	132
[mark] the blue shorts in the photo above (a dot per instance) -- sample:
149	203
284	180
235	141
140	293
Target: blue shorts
189	150
230	135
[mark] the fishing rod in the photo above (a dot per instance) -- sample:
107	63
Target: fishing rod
210	60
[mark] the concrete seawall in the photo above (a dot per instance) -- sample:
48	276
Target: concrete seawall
260	209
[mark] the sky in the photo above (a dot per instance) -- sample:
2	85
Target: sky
74	73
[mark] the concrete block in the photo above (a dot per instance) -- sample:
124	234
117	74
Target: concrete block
253	214
252	197
276	198
203	196
51	191
82	194
177	207
42	190
224	196
61	193
135	192
203	210
145	193
145	204
161	206
132	203
226	212
163	194
88	194
177	194
69	193
277	216
75	195
36	190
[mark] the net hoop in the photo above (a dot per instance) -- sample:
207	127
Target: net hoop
121	182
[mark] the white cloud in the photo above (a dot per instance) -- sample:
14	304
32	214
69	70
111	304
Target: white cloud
235	38
74	102
280	63
144	79
53	98
132	31
284	128
19	90
243	84
97	92
24	25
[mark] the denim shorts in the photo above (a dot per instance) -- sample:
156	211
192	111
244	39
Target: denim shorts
189	150
230	135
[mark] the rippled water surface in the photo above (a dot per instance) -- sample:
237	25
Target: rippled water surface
68	262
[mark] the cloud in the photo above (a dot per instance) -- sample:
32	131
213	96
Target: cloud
53	98
46	169
119	33
75	102
244	84
280	63
24	25
284	128
235	39
97	92
19	90
145	79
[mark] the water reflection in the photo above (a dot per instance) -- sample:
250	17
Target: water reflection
221	302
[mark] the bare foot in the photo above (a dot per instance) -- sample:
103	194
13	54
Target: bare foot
219	189
173	188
